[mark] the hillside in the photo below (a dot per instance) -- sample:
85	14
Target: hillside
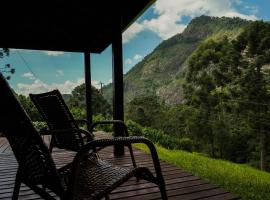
160	72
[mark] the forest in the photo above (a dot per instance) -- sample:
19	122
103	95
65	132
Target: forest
225	109
225	112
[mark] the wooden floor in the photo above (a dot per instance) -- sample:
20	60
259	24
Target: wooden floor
179	184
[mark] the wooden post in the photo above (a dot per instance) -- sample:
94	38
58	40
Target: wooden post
88	98
118	92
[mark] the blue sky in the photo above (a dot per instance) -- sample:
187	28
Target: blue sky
40	71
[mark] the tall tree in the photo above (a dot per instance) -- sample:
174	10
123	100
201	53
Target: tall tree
99	104
211	69
30	108
254	45
230	80
145	110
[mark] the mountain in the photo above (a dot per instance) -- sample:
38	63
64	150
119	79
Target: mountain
161	72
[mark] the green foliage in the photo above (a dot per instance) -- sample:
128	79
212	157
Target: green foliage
106	127
30	108
224	110
77	101
242	180
186	144
101	108
226	83
6	70
78	112
40	125
146	111
134	128
4	52
159	137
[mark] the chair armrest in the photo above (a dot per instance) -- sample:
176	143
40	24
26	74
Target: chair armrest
83	121
120	122
69	130
90	147
108	122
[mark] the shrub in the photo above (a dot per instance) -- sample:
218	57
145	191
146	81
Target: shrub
134	129
106	127
159	137
186	144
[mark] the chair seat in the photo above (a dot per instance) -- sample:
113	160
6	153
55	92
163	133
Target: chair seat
97	177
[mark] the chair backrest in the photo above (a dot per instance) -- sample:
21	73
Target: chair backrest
35	163
56	114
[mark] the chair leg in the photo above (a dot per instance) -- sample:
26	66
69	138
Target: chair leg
52	144
163	191
107	197
17	186
132	156
133	159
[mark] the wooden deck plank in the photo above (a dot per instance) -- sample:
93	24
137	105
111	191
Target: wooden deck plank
179	183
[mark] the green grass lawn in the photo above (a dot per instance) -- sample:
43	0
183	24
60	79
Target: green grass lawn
245	181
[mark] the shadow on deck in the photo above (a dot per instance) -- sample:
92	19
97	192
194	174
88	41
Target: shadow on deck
179	183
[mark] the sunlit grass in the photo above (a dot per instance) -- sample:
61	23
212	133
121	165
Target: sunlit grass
245	181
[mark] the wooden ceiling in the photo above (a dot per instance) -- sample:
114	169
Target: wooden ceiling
59	25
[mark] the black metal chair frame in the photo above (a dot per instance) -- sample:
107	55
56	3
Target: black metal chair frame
60	121
72	134
37	170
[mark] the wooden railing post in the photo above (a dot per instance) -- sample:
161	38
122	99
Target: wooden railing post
88	96
118	92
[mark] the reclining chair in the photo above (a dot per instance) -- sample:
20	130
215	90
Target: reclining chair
67	134
87	177
64	129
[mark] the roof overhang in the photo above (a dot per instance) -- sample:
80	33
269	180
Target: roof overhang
59	25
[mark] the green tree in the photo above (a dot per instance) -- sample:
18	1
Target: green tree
30	108
228	82
254	46
211	69
77	102
145	110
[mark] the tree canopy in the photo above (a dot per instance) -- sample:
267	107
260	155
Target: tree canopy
228	82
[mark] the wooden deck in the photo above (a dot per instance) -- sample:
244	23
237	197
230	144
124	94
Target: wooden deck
180	184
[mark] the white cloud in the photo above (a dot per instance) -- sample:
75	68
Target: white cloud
137	57
170	14
24	50
128	61
29	75
39	86
132	31
36	87
96	84
53	53
165	26
109	81
49	53
59	72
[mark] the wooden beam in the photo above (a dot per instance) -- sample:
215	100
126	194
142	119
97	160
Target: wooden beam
88	96
118	92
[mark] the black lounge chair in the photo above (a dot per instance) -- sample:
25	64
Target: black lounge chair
64	129
87	177
60	121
